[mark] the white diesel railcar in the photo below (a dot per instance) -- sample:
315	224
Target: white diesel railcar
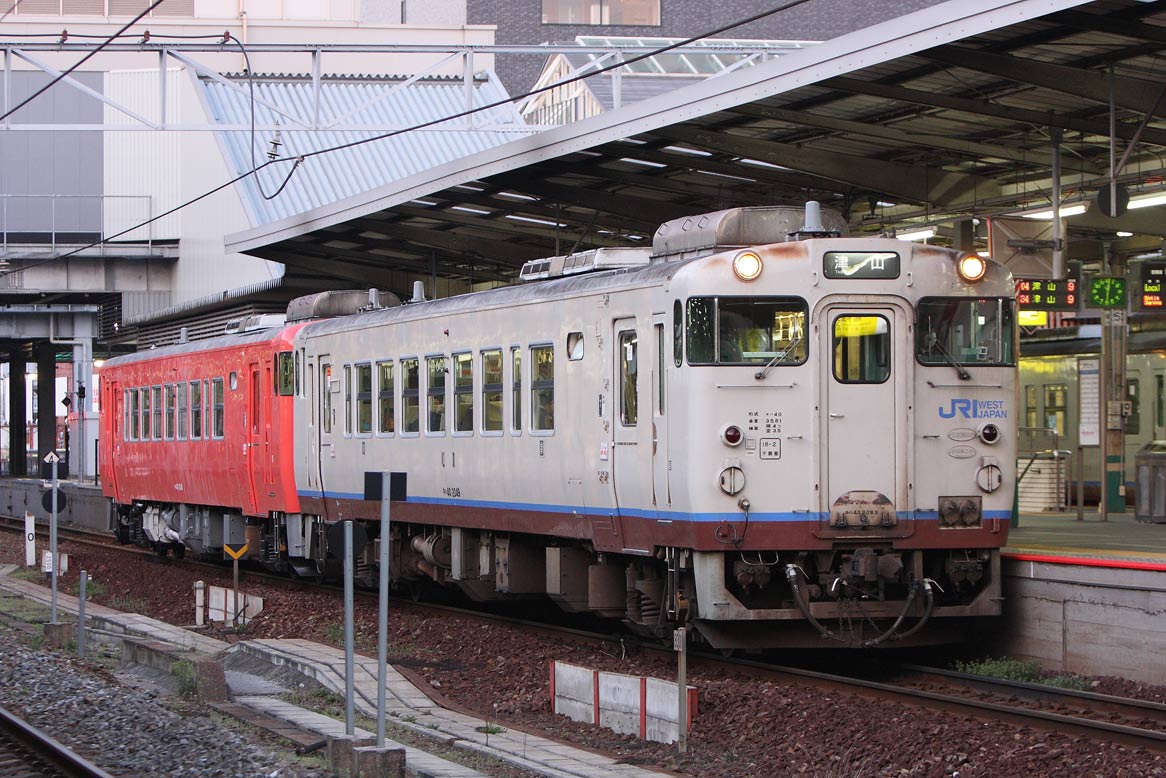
759	429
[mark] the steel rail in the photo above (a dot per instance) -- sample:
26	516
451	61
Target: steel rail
1123	706
40	754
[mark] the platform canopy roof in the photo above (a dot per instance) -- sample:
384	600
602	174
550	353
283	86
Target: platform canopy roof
938	116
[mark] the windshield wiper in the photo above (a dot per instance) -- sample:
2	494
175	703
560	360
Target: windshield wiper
933	342
760	374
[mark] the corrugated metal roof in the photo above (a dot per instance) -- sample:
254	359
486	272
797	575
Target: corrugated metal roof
944	115
330	177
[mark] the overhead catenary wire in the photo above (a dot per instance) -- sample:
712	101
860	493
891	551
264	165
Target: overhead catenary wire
81	61
298	160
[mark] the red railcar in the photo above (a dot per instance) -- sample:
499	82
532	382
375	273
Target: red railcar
200	436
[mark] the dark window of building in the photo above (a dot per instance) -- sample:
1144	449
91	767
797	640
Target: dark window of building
638	13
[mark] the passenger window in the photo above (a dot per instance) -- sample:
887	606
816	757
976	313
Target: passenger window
1055	395
182	420
410	399
169	411
145	394
1160	399
288	369
134	413
677	333
463	392
217	403
862	349
435	391
364	399
1134	420
195	410
492	390
628	373
326	397
516	389
542	387
157	413
385	419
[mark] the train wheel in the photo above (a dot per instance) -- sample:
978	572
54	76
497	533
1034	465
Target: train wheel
179	550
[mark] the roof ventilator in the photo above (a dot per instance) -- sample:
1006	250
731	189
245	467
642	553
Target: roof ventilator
589	261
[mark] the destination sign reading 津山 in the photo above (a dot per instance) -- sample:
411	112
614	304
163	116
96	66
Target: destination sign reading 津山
861	264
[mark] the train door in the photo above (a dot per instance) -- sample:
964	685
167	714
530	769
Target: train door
632	423
326	414
1159	402
255	453
114	404
864	407
661	491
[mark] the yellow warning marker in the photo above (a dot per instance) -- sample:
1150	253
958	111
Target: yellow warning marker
233	553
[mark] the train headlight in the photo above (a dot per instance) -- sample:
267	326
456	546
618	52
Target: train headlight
990	434
972	267
732	435
747	266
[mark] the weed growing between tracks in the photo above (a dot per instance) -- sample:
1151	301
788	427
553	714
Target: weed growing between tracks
1024	670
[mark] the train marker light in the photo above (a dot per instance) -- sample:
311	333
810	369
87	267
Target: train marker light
747	266
972	267
990	434
732	435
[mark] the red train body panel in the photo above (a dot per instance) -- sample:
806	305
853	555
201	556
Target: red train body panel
194	450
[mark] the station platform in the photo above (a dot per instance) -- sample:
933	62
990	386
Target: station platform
1119	541
407	706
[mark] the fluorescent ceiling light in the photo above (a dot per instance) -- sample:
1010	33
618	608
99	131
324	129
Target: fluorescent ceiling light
1123	234
923	234
1068	210
1149	200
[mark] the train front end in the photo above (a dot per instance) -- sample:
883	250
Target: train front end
849	428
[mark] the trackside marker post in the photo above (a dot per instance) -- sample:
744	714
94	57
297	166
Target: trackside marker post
81	615
29	539
235	554
52	459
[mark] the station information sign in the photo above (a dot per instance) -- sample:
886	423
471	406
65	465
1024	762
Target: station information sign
1149	295
1048	294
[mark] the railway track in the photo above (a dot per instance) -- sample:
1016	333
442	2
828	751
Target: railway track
1130	722
1150	733
26	752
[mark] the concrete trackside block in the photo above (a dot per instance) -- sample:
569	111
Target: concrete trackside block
627	704
341	753
373	762
59	633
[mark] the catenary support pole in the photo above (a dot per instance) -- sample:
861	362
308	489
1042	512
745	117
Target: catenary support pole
349	683
383	611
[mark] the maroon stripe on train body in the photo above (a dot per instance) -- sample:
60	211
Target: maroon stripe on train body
618	533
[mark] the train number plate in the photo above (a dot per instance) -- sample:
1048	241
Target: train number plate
770	448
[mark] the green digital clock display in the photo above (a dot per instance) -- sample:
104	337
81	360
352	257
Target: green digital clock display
1107	292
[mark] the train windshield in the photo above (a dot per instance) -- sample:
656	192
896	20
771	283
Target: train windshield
746	330
962	331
